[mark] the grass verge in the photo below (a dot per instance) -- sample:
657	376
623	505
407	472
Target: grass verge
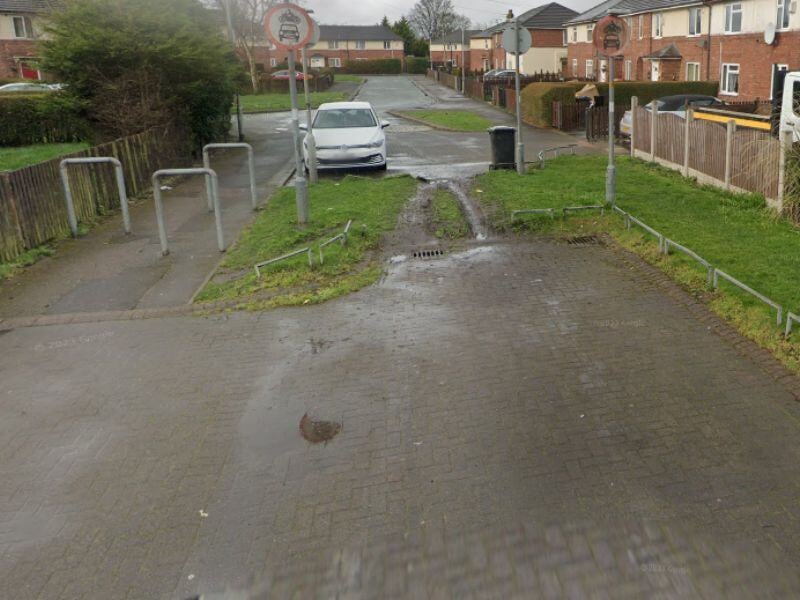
256	103
12	158
26	259
447	219
346	77
736	233
458	120
372	204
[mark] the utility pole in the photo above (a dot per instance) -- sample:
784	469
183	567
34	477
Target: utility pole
520	153
232	39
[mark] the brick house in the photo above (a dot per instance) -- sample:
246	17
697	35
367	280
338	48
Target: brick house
481	51
20	26
339	44
448	50
548	39
680	40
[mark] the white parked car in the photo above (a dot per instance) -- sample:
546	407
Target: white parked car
25	87
674	105
348	135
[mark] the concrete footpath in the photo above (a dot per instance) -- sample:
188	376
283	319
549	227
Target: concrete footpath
107	270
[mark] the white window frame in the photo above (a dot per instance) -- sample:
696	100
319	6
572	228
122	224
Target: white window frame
696	20
727	70
658	25
588	69
781	67
333	44
574	34
564	39
486	46
574	67
27	27
335	61
641	26
387	45
784	15
731	9
361	45
692	64
628	70
273	62
589	33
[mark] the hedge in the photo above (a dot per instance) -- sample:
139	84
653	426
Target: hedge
417	65
41	119
537	98
378	66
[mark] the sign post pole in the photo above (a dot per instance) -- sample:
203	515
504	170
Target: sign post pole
611	172
518	42
289	27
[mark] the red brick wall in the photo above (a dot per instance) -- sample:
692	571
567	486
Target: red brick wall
755	59
547	38
476	57
14	48
448	55
582	51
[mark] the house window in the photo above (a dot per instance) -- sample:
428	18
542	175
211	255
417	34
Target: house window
387	45
335	61
564	37
23	27
574	34
628	65
782	22
486	44
360	44
641	26
730	79
658	25
772	77
589	32
733	17
485	64
589	69
692	71
695	21
574	67
273	62
333	44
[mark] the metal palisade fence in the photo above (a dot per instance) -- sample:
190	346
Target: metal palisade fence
32	204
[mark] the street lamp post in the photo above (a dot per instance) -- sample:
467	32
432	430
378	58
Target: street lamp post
520	148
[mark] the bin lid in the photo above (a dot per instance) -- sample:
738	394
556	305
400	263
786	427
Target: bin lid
501	128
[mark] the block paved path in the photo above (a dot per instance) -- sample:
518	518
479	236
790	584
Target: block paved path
521	418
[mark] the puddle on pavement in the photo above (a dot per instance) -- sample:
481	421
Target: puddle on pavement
316	431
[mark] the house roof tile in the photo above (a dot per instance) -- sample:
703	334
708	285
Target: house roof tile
24	6
355	33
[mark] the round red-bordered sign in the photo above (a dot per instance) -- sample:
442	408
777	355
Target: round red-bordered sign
611	36
288	26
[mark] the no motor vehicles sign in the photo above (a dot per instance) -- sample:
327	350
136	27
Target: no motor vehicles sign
288	26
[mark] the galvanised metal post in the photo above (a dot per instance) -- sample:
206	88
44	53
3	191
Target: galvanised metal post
120	179
310	141
300	183
251	166
162	230
520	158
611	172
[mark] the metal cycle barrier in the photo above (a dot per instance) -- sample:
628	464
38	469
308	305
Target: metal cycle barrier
567	209
555	150
648	229
209	175
790	318
749	290
533	211
120	176
250	165
668	243
342	236
271	261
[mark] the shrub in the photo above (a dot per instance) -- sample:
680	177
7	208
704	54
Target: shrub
417	64
537	98
378	66
41	119
145	63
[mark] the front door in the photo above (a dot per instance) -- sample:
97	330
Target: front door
655	70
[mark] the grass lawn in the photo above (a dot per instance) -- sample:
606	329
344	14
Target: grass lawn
16	157
459	120
447	219
372	204
348	78
255	103
735	233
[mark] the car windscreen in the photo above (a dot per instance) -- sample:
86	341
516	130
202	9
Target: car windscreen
343	118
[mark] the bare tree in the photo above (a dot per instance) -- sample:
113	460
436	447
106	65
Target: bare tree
435	18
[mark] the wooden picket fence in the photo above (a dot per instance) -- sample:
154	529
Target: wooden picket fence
32	204
750	164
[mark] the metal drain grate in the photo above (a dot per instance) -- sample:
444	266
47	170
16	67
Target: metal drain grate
432	253
584	240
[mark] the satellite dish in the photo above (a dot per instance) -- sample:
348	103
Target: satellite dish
769	34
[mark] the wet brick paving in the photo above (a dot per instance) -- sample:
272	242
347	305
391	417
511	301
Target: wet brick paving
517	419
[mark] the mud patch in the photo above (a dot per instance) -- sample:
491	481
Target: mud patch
318	345
316	431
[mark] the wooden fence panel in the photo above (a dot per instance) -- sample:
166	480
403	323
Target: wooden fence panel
707	148
756	158
670	131
642	127
32	204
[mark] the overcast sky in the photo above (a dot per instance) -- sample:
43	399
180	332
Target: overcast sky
370	12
